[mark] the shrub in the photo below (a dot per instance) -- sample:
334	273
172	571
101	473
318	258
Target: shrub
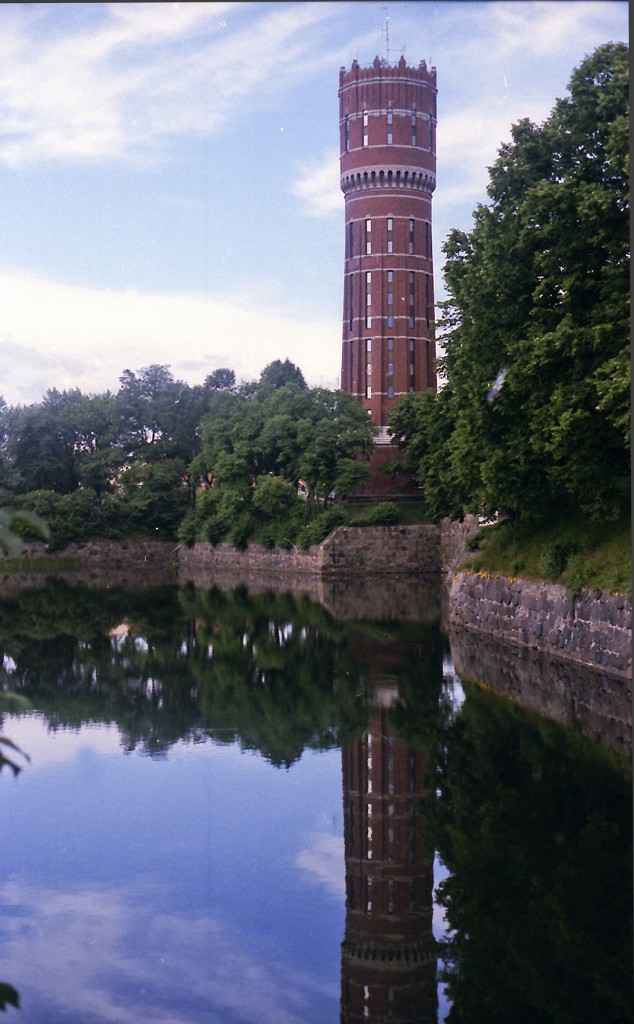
554	557
473	542
319	528
385	514
187	529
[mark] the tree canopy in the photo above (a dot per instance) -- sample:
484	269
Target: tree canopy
535	412
163	459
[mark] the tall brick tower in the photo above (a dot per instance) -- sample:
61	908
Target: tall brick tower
387	118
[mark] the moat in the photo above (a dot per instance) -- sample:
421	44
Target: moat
247	807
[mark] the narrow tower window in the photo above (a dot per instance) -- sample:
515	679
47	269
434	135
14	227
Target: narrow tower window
351	239
390	234
414	126
411	298
346	134
350	300
411	364
411	236
368	237
368	298
390	137
365	128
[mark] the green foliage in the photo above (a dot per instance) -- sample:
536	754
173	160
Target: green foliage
155	498
278	373
525	813
260	444
535	411
473	542
187	530
563	548
554	558
385	513
222	513
15	524
323	524
139	463
8	996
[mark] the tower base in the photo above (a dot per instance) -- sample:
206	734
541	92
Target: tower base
386	482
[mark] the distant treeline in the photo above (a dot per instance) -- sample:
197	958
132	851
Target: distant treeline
164	459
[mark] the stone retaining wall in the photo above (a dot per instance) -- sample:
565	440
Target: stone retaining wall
99	563
597	703
356	569
348	551
382	550
593	629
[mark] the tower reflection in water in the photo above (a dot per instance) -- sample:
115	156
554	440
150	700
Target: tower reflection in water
388	968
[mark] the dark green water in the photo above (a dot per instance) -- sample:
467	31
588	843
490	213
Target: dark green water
242	809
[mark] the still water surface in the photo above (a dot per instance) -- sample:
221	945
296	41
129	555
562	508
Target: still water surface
242	809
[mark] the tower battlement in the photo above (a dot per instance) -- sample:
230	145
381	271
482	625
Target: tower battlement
382	69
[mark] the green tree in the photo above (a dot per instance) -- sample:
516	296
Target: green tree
536	326
155	498
281	372
337	430
287	432
159	415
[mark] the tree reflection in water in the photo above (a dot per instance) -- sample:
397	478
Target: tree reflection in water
532	821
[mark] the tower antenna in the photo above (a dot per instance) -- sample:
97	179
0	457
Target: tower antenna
387	35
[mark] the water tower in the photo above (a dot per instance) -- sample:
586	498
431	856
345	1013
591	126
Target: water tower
387	117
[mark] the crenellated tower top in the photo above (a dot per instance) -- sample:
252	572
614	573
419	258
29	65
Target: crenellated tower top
380	69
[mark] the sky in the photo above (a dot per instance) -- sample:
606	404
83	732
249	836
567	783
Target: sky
169	172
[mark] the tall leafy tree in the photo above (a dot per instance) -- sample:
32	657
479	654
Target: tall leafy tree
274	428
536	326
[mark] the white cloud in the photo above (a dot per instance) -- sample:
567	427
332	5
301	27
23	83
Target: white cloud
322	859
90	336
318	186
118	87
549	29
112	953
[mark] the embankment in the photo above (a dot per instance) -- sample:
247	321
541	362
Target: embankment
356	569
592	628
